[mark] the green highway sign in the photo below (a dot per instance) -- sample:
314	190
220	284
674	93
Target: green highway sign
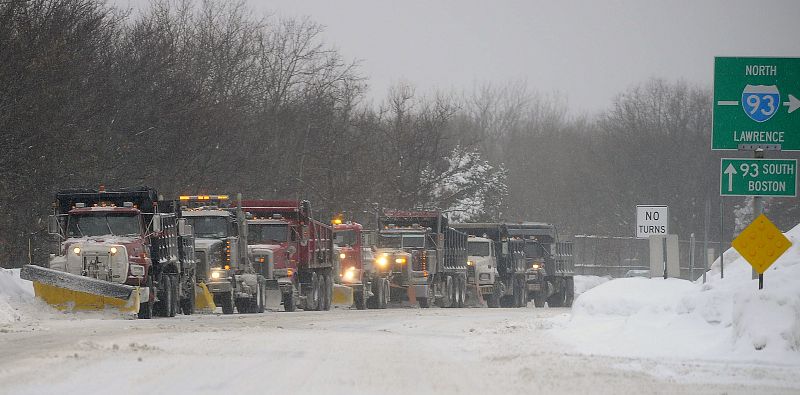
758	177
756	102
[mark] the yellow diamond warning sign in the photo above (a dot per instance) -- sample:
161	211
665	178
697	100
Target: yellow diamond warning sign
761	243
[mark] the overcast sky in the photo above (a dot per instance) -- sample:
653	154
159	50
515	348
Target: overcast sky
586	50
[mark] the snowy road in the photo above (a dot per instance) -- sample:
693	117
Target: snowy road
345	352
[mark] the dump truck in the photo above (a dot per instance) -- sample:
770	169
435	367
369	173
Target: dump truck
550	263
126	249
223	263
497	268
424	259
296	250
356	267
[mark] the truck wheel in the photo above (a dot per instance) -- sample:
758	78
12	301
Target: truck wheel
146	308
387	291
424	302
462	291
176	295
262	297
570	292
289	302
538	299
447	293
556	299
328	291
226	302
360	298
522	293
379	290
493	301
187	304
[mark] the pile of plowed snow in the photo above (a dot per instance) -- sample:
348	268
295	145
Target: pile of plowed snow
725	318
14	292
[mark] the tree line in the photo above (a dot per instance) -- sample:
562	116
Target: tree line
204	97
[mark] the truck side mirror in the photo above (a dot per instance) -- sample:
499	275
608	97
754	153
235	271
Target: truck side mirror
156	223
184	229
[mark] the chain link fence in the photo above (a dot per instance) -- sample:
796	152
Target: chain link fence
618	256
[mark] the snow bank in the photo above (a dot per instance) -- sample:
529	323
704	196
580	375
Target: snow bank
585	283
726	318
13	292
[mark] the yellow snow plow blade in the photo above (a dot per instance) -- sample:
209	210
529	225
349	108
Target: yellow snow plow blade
342	295
71	292
203	300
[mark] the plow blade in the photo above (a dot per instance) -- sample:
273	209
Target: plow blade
273	295
71	292
203	300
342	295
474	298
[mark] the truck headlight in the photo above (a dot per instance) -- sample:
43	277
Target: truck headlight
400	260
342	255
113	250
382	261
349	274
137	270
470	263
535	266
77	250
215	275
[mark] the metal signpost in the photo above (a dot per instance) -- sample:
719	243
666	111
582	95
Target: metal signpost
756	109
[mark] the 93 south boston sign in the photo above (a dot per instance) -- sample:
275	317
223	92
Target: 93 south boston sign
756	104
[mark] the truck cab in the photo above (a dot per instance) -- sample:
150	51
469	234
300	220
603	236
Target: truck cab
482	263
271	246
216	246
107	243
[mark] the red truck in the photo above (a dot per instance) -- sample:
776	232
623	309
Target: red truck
356	266
288	245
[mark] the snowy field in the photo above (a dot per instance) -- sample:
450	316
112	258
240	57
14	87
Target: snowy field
622	336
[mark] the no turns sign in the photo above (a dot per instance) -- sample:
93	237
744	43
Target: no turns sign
651	220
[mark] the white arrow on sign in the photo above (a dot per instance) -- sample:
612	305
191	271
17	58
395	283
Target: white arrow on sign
793	104
730	171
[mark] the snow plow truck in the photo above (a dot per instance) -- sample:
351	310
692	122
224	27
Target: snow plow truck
293	249
424	258
356	266
125	249
221	250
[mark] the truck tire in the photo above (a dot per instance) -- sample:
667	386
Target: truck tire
360	297
492	301
569	292
539	298
462	291
521	293
424	302
226	302
448	293
289	302
188	303
378	290
557	299
312	298
164	295
328	295
387	291
146	307
262	297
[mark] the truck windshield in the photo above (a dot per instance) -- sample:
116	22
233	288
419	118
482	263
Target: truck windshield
344	237
267	233
401	241
478	248
101	224
212	227
535	250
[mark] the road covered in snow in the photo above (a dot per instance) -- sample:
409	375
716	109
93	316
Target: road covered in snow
631	335
404	350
